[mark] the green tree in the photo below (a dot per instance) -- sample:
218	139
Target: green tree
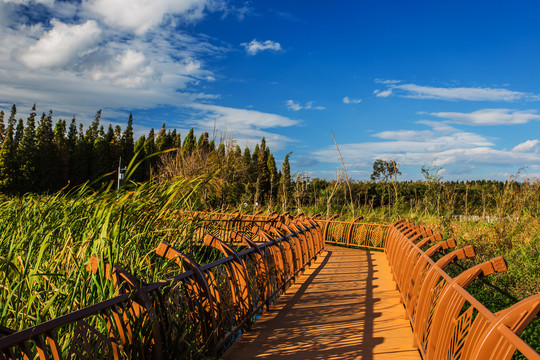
2	127
149	149
19	132
62	151
27	154
203	144
189	143
101	161
285	183
8	162
272	170
127	143
262	183
385	170
48	165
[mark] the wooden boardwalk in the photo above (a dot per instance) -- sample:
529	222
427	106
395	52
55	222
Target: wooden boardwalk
344	307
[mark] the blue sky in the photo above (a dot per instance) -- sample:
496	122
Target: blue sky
452	85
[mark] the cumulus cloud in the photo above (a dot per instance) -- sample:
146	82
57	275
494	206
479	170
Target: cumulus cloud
255	46
128	69
490	117
295	106
75	64
452	93
527	146
61	44
139	16
348	100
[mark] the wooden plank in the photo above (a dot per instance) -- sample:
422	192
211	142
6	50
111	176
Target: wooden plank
344	307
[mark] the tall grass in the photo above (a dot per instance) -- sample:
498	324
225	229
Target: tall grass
46	242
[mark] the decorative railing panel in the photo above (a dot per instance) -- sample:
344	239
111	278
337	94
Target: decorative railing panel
191	315
354	233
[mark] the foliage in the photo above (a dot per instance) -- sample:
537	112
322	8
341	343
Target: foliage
46	242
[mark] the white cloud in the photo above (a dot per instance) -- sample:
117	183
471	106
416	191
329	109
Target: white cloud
527	146
383	93
348	100
79	68
295	106
128	69
255	46
437	146
61	44
246	126
490	117
26	2
383	81
452	93
139	16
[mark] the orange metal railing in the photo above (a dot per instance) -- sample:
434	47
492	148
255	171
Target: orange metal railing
354	233
190	315
447	321
204	307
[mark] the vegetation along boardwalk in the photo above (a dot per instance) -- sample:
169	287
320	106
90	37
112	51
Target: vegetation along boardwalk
314	300
346	306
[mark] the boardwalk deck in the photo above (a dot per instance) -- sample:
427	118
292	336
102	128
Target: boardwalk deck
344	307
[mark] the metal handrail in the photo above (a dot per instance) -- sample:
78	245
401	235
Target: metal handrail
213	301
447	321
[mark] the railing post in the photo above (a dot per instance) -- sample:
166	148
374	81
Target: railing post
125	282
167	251
350	231
326	226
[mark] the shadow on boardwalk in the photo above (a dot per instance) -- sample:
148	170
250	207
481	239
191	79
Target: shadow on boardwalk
344	307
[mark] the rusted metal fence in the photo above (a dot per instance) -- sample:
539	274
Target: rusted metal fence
187	316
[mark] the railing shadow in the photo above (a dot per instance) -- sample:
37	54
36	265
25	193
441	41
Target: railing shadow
326	317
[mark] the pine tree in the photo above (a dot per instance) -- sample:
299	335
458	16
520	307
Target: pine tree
72	143
149	149
47	166
19	132
72	136
263	177
140	153
93	130
161	139
273	175
2	127
202	144
127	143
28	155
285	183
189	143
8	163
62	151
101	160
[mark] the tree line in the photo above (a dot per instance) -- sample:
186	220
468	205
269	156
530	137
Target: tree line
40	156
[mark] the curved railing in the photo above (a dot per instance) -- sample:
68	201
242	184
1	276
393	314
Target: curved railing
447	321
205	307
190	315
354	233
